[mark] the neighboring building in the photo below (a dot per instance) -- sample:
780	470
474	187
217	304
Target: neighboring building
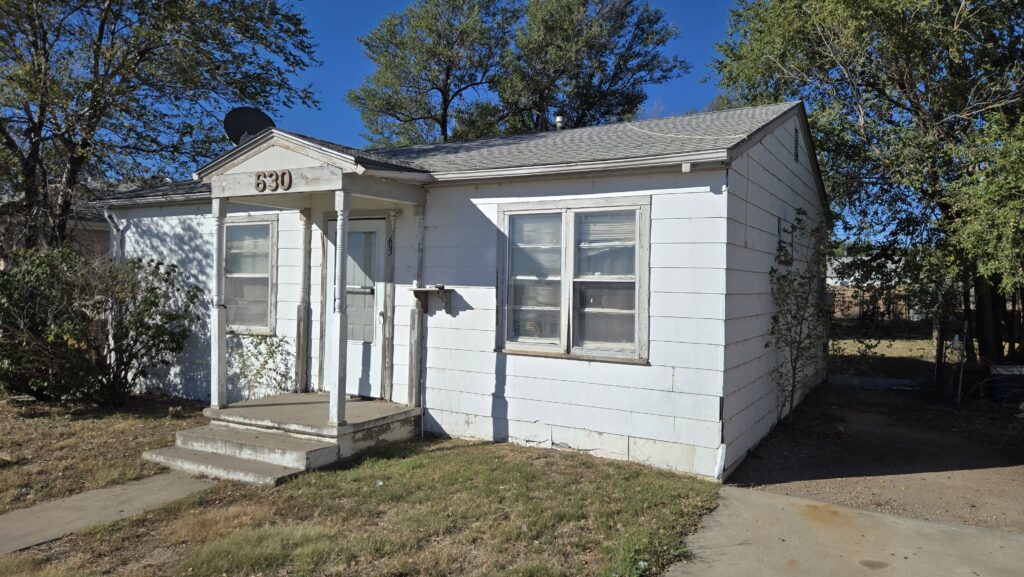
605	289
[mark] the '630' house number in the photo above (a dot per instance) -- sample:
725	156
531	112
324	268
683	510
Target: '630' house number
272	180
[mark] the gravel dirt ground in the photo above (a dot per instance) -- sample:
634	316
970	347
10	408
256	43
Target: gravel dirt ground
900	452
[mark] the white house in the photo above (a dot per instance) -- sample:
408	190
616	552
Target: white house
599	289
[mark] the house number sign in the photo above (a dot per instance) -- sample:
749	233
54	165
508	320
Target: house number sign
272	180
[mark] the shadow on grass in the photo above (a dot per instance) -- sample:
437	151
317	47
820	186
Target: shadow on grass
141	406
433	445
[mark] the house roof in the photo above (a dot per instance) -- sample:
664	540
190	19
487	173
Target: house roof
173	191
623	141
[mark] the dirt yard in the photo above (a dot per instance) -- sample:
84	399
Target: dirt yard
898	452
49	450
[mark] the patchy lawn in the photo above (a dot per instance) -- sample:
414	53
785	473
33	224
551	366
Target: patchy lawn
418	508
901	358
900	452
49	450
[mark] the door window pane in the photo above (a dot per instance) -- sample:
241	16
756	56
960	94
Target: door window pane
247	249
361	274
606	244
362	249
535	283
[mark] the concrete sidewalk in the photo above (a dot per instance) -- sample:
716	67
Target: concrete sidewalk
756	533
53	519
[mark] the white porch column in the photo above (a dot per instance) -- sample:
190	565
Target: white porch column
218	314
303	312
336	411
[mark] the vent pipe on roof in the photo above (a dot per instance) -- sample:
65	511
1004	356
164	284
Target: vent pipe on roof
559	120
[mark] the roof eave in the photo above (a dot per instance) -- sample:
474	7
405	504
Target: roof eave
652	162
187	198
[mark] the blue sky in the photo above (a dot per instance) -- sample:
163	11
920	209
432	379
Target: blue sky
335	26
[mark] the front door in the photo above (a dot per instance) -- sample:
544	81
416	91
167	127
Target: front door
365	291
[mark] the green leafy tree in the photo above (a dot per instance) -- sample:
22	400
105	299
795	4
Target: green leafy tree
96	91
586	60
895	88
460	69
432	61
989	201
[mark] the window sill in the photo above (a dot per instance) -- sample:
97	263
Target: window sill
242	332
575	357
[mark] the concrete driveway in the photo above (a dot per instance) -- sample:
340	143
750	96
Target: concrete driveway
756	533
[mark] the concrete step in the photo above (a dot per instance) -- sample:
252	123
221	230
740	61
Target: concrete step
273	447
220	466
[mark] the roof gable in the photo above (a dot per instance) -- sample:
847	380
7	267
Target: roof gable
295	148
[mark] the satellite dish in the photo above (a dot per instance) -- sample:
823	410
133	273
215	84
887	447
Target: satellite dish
244	122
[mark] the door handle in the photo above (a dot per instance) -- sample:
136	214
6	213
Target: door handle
359	290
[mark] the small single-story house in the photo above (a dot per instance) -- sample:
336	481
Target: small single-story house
601	289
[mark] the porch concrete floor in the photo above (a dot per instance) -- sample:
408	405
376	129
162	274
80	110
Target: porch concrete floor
307	413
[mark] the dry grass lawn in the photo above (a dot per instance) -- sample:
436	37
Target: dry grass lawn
49	450
901	358
419	508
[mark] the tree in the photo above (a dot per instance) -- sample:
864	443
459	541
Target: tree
432	60
895	88
587	61
108	90
459	76
989	203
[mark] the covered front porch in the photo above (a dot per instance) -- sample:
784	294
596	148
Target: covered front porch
354	206
339	270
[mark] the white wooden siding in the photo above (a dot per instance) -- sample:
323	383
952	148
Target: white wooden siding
765	184
182	235
665	414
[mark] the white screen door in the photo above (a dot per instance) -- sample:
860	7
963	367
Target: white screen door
365	274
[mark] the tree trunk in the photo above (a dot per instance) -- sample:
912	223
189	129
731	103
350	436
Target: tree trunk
1012	328
65	197
998	320
31	197
969	352
986	327
1020	327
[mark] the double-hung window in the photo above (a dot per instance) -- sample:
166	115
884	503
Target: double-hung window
250	248
575	278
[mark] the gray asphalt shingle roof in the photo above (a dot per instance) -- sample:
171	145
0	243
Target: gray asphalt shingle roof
180	190
625	140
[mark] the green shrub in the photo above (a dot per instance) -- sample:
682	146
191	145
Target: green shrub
73	328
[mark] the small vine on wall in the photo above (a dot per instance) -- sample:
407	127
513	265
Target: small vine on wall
263	364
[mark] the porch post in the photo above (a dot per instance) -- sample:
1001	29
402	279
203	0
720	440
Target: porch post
414	392
218	313
337	405
304	314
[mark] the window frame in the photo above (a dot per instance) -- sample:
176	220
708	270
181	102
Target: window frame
272	221
569	315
